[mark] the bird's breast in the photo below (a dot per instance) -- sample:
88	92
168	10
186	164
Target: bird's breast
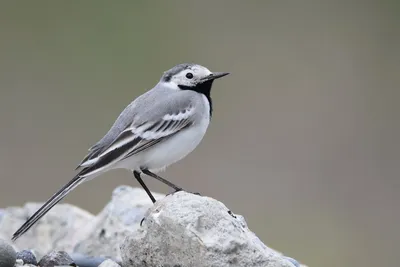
173	148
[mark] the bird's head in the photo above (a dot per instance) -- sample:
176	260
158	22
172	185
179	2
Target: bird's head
190	77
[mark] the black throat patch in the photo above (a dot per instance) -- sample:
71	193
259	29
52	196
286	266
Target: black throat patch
202	88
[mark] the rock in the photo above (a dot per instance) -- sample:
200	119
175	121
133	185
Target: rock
56	258
109	263
27	257
20	263
87	261
59	229
69	228
117	220
7	254
184	229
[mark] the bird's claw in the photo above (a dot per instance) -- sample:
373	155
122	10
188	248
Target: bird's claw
180	189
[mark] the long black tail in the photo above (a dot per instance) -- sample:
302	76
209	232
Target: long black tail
57	197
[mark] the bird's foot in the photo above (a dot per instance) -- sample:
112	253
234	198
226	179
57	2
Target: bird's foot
181	189
176	190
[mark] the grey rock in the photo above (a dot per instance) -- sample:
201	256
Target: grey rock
184	229
109	263
56	258
27	257
87	261
117	220
7	254
59	229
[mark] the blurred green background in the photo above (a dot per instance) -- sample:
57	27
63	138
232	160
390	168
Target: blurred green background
304	141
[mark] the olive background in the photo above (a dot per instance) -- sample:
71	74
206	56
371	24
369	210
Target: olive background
304	140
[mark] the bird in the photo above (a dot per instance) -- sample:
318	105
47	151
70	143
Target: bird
157	129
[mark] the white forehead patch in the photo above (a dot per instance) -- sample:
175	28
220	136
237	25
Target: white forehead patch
200	70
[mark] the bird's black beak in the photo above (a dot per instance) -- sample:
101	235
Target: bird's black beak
215	75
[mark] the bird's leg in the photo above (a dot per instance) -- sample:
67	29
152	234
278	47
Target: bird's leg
149	173
139	179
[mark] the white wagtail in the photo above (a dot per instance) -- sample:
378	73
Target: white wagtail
158	128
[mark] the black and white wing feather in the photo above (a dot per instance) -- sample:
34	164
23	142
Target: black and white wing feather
137	138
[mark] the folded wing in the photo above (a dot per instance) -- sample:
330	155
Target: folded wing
136	138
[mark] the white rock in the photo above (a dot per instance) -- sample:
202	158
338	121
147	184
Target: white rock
121	217
18	263
184	229
56	230
109	263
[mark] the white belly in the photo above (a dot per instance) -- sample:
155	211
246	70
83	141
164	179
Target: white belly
173	149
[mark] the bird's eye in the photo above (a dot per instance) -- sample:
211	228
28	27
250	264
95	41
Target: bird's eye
189	75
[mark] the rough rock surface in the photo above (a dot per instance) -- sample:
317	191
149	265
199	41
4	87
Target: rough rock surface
7	254
181	227
27	257
117	220
56	258
69	228
109	263
56	230
184	229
